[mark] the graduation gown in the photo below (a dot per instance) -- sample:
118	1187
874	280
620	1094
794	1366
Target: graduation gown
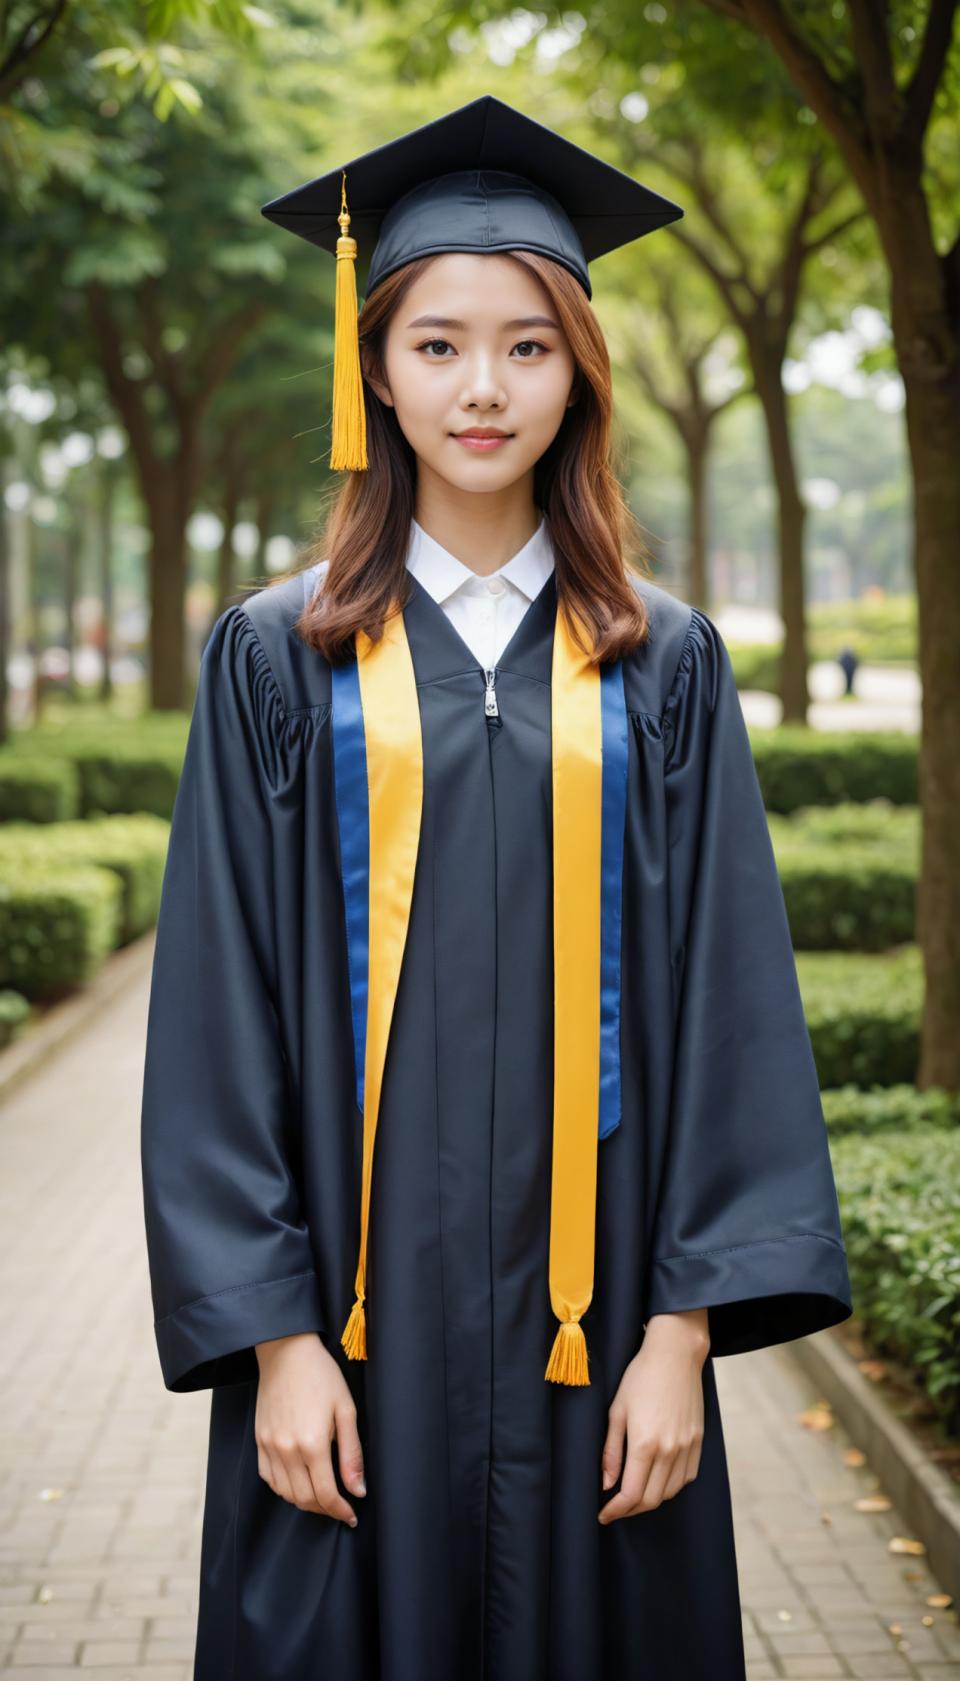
478	1555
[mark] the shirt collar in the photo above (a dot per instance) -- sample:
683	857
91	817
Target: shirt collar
441	573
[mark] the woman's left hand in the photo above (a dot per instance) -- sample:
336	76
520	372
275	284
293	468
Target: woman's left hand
658	1413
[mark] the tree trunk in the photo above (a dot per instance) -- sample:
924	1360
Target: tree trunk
71	566
5	608
697	479
264	519
225	558
791	516
108	479
167	570
928	348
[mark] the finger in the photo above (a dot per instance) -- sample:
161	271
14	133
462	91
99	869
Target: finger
611	1460
631	1489
693	1460
325	1488
676	1476
349	1450
279	1480
302	1486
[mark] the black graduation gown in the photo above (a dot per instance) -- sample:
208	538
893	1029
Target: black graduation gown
478	1555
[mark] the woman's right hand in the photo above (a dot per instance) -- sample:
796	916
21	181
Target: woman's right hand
303	1401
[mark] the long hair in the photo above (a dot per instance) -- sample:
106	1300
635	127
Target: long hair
367	529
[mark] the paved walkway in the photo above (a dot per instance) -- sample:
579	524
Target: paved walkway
101	1469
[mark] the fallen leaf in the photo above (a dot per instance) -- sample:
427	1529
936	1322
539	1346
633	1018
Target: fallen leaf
903	1544
873	1369
872	1503
819	1417
854	1456
939	1601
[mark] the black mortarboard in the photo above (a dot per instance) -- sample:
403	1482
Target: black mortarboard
506	183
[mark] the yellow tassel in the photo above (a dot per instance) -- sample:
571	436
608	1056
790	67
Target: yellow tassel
349	415
568	1359
354	1338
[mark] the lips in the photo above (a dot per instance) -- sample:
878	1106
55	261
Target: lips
482	432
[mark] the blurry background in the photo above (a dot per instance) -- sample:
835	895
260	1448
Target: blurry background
787	373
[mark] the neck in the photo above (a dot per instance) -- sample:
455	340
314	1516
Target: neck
483	531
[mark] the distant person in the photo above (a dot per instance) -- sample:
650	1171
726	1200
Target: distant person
848	662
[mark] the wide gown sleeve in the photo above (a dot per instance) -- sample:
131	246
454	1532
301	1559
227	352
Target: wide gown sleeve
747	1220
230	1257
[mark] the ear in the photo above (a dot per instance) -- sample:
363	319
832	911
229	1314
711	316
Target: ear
377	385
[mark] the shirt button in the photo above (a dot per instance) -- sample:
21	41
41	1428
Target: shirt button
496	586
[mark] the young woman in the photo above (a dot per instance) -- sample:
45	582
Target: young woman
469	863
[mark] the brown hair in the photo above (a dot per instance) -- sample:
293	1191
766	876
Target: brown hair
367	529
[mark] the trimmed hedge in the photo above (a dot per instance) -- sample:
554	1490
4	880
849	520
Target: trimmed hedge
798	766
37	790
863	1015
849	1109
134	847
900	1212
849	875
56	928
112	765
92	782
14	1014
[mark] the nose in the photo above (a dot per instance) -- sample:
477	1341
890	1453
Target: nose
482	387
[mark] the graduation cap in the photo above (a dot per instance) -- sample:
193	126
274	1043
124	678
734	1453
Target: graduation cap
508	183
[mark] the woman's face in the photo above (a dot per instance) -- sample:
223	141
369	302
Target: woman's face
476	343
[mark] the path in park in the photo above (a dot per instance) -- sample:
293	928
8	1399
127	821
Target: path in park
101	1469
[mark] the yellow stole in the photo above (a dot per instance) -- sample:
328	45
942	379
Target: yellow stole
387	694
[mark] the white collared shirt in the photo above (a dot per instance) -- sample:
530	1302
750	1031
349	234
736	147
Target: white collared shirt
485	612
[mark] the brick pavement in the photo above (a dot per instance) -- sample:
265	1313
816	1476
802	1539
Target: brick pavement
101	1469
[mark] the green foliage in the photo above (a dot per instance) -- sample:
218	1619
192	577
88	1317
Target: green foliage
56	928
848	1109
14	1014
37	790
134	847
798	766
900	1211
849	875
863	1015
83	768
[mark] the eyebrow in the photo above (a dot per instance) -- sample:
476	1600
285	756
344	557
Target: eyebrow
461	326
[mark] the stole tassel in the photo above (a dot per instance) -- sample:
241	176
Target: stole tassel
349	414
568	1359
354	1338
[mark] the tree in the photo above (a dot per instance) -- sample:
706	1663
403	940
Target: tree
877	76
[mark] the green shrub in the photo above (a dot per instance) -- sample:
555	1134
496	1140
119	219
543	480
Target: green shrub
37	790
119	765
900	1211
798	766
56	928
134	847
849	875
850	1109
14	1014
863	1013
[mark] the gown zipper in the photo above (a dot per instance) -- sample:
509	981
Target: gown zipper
490	707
